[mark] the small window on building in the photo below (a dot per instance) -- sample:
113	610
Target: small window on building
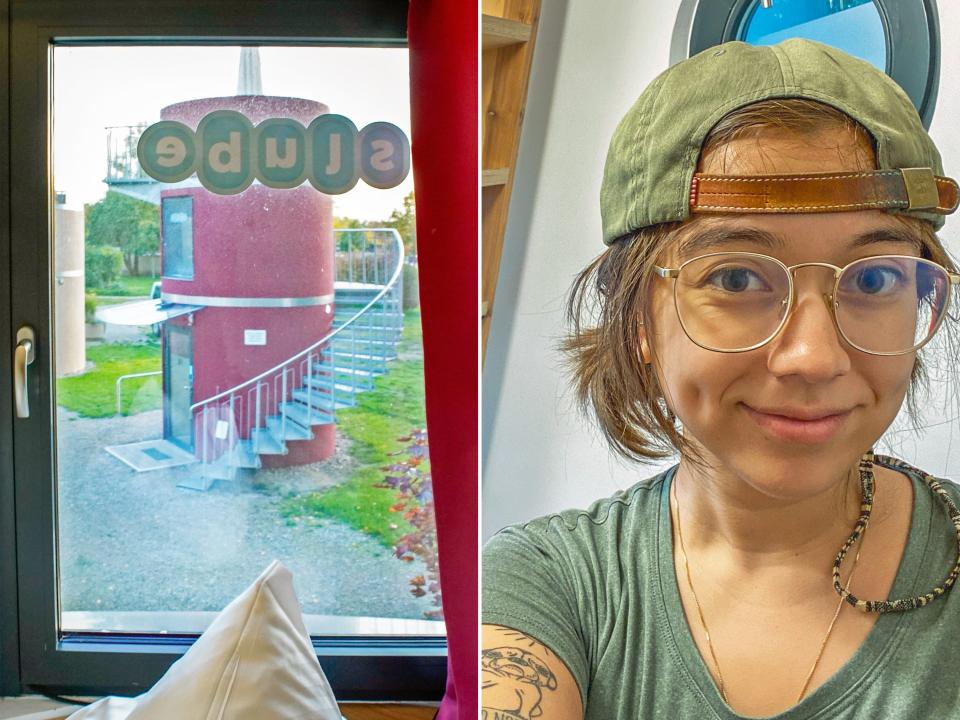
178	237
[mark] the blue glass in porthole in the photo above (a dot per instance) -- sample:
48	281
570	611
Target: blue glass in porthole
854	26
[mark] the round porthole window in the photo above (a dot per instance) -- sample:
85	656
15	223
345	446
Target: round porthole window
901	37
853	26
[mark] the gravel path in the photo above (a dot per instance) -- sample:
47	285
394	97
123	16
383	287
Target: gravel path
135	541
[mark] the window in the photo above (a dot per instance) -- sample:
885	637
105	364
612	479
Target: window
177	231
851	25
901	37
175	448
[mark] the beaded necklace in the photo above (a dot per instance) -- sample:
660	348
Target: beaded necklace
866	488
865	468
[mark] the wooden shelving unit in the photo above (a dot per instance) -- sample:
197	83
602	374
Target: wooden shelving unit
365	711
509	31
499	31
498	176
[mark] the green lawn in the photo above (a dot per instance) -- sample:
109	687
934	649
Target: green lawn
391	410
127	286
93	394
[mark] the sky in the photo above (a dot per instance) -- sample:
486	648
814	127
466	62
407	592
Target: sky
99	87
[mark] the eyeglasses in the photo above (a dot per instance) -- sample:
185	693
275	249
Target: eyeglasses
739	301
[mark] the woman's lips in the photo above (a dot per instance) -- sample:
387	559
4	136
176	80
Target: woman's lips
804	431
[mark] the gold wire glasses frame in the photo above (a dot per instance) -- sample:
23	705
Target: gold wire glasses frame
831	298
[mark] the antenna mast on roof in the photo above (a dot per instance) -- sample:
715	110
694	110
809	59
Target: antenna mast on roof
248	79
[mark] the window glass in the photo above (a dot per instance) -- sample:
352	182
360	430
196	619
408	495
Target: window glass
265	400
854	26
177	231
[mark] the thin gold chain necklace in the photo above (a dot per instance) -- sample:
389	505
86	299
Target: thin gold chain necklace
703	622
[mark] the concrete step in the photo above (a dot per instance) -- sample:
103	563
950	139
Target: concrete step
298	413
324	383
343	355
362	327
264	442
346	370
367	292
207	474
346	358
289	430
358	302
347	342
322	401
243	456
368	322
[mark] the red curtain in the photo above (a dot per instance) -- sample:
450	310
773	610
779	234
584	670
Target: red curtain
442	37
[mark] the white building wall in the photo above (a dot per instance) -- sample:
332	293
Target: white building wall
591	62
69	283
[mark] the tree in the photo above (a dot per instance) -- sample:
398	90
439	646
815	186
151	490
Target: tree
405	223
102	265
340	223
123	222
346	223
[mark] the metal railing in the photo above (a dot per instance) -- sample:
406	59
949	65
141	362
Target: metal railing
122	162
129	377
370	257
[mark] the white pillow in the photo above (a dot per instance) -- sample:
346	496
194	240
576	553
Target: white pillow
255	661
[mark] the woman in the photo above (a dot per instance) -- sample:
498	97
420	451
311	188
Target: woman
772	275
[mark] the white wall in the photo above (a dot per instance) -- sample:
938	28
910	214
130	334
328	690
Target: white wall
591	62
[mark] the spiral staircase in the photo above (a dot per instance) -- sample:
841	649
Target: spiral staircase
264	415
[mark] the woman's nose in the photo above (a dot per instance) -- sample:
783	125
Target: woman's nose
810	344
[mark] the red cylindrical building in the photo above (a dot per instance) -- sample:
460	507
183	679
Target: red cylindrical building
261	263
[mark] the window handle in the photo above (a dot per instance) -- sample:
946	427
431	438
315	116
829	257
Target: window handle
23	356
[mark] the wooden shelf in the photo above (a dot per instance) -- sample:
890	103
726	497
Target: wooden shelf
509	35
499	32
491	178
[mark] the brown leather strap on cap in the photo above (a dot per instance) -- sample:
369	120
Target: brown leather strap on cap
908	189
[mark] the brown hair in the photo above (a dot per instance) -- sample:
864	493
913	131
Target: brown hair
607	304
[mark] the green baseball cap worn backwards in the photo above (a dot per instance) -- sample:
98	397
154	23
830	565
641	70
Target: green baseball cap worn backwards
649	176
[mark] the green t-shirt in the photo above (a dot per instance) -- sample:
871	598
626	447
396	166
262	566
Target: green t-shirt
599	588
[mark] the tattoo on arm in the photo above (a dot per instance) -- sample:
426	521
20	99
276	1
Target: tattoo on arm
514	680
491	714
519	637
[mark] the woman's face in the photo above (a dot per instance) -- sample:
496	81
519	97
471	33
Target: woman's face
807	367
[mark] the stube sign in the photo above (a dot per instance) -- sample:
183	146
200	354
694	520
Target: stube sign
227	152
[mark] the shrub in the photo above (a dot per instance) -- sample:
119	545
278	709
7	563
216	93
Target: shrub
411	287
360	266
89	307
412	483
102	265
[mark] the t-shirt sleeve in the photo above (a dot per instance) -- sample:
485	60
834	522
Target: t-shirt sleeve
527	586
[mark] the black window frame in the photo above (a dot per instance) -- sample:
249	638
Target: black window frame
33	658
911	30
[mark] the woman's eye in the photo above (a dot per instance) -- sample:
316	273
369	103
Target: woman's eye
877	280
736	280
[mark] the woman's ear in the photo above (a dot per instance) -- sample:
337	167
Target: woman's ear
644	346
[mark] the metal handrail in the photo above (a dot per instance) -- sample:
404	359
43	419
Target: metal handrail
122	162
326	338
128	377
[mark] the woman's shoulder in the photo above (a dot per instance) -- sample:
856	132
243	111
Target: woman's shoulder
558	577
951	486
604	516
